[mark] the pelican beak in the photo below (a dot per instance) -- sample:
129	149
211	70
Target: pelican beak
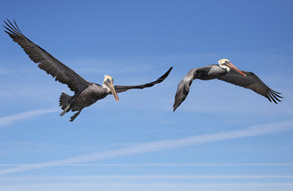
112	89
234	67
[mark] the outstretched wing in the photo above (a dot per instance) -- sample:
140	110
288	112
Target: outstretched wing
120	89
46	61
251	81
183	88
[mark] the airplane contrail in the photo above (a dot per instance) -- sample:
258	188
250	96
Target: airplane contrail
6	120
160	145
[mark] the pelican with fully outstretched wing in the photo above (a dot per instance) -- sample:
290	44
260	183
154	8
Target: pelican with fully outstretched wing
85	93
227	72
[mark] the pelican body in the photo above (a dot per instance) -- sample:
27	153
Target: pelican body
227	72
85	93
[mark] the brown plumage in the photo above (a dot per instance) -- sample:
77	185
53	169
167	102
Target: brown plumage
85	93
227	72
253	82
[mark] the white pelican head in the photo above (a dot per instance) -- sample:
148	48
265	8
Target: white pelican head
227	65
108	84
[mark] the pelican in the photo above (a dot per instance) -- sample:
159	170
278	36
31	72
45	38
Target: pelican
85	93
227	72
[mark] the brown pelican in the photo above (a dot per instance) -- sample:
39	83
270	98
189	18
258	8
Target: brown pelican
227	72
85	93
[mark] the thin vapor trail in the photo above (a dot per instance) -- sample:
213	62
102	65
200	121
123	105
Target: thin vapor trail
161	145
6	120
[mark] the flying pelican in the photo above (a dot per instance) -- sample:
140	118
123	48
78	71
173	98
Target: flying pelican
85	93
227	72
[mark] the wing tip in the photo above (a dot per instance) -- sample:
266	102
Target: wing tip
274	96
168	72
11	28
175	107
164	76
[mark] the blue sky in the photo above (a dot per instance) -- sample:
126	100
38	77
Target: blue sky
222	137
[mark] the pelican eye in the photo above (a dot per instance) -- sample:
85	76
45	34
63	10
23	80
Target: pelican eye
108	81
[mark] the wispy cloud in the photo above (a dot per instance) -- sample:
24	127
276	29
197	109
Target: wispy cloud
149	177
131	186
6	120
161	145
168	165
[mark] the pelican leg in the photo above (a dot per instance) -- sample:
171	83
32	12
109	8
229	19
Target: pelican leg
65	110
74	116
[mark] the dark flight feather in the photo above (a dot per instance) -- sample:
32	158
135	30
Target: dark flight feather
120	89
46	61
253	82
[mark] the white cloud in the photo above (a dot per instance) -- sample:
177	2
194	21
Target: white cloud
161	145
6	120
168	165
131	186
149	177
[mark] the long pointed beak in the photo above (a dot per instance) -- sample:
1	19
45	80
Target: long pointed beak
112	89
234	67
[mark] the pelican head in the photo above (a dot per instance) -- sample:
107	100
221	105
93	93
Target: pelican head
227	65
223	61
108	84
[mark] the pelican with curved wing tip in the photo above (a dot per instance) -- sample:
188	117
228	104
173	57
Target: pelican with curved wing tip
227	72
85	93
